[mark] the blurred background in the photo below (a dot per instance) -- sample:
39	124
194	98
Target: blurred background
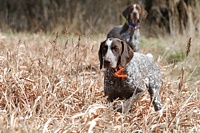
97	16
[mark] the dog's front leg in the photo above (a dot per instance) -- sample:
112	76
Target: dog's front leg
126	107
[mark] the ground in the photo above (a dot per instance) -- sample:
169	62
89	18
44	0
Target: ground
52	83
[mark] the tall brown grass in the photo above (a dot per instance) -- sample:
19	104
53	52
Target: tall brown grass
52	83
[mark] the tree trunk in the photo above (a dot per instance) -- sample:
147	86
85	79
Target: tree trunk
173	16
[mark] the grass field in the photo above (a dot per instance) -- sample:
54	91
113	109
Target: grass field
52	83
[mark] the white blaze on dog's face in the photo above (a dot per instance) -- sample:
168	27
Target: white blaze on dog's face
110	60
135	14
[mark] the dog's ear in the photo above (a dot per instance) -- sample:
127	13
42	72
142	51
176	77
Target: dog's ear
126	55
101	54
143	13
127	11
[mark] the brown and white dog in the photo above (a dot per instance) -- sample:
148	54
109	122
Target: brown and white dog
128	74
130	31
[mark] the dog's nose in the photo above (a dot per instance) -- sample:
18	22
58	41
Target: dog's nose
135	13
106	62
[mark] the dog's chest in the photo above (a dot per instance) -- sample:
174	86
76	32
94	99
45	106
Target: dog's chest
112	83
130	35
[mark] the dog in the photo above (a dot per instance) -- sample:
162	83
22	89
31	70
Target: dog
130	31
128	74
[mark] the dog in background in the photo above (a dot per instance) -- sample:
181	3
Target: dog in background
130	31
128	74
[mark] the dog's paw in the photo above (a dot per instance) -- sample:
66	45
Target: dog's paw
157	106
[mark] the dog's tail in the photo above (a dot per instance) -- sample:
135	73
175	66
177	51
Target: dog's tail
149	55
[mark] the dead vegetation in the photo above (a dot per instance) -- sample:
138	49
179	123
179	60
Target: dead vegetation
164	16
53	84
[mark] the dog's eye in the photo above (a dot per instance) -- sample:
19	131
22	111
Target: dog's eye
104	48
130	10
114	48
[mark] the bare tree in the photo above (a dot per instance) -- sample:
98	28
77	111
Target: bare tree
173	16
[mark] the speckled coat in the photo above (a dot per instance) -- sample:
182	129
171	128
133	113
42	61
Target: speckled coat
130	36
142	73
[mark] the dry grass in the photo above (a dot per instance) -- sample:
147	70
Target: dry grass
53	84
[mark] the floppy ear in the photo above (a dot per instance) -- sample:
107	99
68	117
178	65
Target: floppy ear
127	54
100	55
143	13
127	11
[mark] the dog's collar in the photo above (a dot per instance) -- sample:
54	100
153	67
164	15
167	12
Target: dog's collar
134	25
118	72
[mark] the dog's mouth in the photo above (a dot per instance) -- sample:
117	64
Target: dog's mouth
135	18
114	69
107	64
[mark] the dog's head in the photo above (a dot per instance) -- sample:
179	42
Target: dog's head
134	13
114	53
